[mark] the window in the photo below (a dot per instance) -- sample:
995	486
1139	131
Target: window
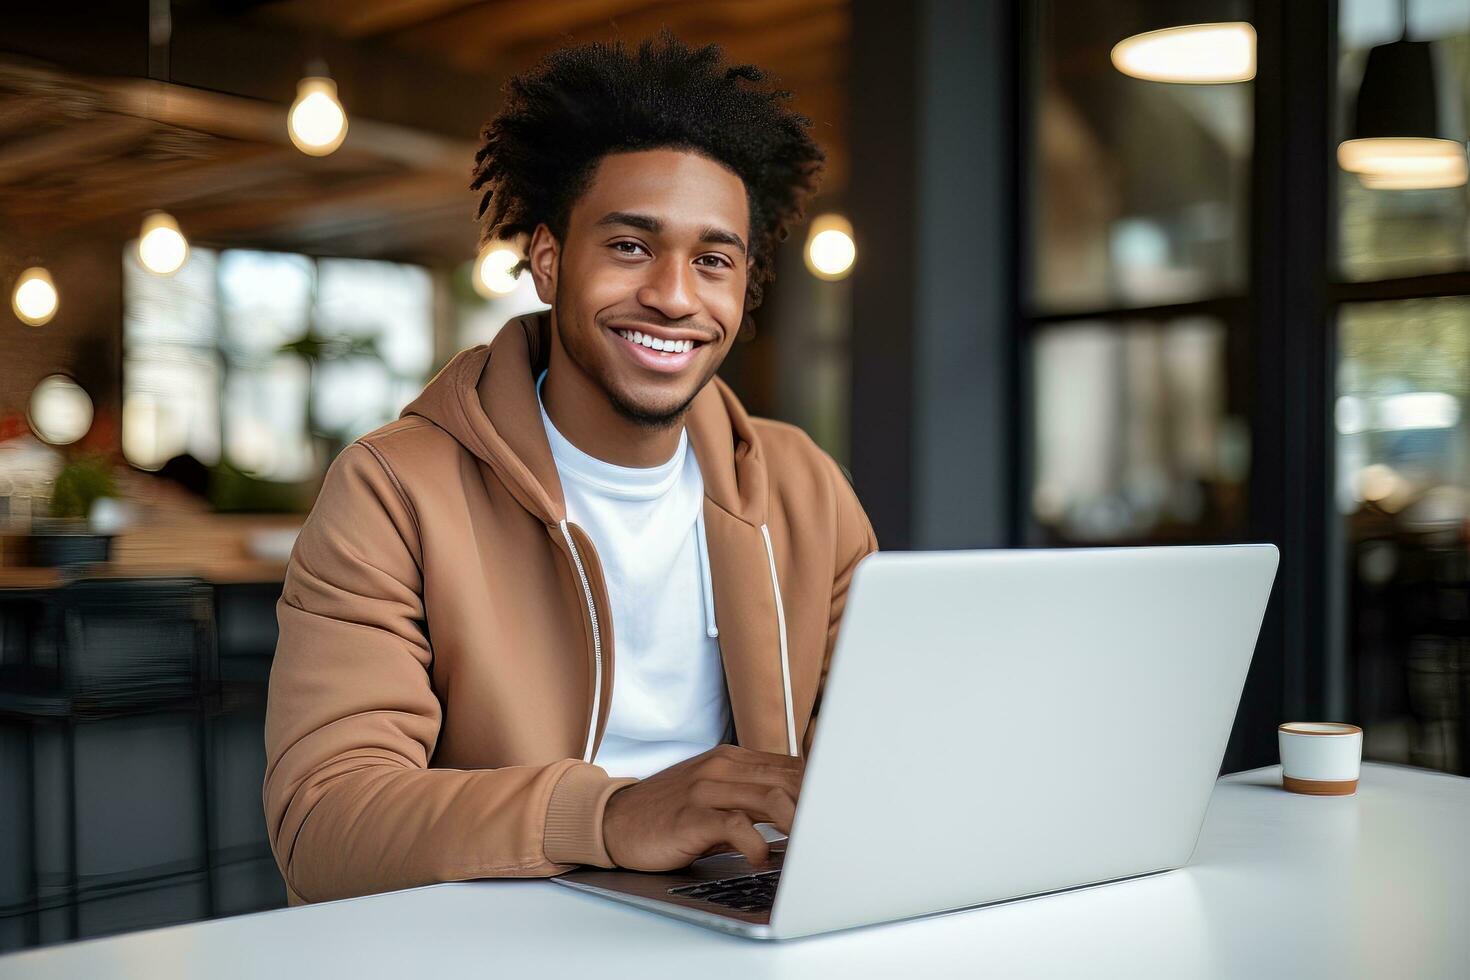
1138	254
171	362
1141	188
1132	438
1402	456
1389	234
267	361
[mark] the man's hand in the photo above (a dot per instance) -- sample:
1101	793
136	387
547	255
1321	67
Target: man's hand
700	806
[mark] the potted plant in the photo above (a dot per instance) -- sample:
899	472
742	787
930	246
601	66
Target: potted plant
65	537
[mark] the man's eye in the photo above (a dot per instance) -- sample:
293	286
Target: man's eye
719	261
629	244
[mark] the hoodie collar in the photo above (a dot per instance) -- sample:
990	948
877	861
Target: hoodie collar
485	397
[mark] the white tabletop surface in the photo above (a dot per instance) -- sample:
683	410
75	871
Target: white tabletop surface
1373	885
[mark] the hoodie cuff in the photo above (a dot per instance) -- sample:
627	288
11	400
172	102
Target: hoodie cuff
573	833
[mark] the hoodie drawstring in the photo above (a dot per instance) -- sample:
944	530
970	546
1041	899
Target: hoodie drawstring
711	629
781	630
596	642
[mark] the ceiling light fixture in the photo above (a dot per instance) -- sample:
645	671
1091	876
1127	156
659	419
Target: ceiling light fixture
162	247
35	298
830	250
1195	54
317	123
1408	129
492	270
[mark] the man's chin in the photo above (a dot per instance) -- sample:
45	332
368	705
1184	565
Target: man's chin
652	413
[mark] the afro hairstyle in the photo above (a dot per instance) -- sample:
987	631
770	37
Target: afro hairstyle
579	104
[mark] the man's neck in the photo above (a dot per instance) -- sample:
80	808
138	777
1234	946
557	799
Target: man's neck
581	412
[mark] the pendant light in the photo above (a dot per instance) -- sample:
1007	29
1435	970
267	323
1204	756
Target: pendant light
1408	128
317	123
162	247
60	411
1194	54
35	298
830	250
492	276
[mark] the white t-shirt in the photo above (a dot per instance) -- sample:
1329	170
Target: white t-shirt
669	700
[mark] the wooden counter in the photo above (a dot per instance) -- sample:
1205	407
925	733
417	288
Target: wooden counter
213	547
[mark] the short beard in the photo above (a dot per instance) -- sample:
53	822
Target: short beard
650	421
653	422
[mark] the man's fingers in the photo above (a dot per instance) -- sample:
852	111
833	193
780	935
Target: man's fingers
761	802
741	755
734	828
735	769
740	752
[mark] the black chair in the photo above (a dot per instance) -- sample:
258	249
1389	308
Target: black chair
114	692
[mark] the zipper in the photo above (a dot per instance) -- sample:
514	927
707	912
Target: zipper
596	642
781	631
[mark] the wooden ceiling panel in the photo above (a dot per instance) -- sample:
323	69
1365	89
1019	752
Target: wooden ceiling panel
359	19
86	155
111	149
804	43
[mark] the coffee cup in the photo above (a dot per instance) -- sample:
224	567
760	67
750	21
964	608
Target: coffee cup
1320	758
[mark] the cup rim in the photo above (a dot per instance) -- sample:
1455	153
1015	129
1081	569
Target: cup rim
1289	728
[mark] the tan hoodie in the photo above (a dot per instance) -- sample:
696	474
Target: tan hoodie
435	697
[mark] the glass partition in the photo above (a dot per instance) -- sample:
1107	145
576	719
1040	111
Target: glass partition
1132	434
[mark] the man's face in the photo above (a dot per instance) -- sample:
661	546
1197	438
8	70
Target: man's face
655	256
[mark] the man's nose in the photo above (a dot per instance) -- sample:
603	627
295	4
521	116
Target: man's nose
669	289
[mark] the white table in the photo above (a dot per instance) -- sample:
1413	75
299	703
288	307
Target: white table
1374	885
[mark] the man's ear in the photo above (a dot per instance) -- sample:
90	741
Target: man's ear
542	253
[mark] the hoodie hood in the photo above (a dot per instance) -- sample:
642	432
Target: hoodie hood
485	397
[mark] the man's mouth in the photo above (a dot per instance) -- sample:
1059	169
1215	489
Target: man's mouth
664	354
656	343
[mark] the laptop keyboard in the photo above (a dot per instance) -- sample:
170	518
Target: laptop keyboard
744	893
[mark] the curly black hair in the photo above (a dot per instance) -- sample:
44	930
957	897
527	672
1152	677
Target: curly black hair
581	103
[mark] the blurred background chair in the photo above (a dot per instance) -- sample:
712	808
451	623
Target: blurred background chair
138	776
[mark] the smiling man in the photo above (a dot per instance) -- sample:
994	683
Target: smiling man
575	606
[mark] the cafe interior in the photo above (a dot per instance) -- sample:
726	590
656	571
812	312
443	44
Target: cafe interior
1080	273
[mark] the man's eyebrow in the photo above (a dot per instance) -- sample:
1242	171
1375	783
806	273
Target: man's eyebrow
647	222
722	237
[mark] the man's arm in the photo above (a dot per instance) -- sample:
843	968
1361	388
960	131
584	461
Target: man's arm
855	541
351	805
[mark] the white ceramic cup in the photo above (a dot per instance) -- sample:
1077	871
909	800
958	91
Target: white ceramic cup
1320	758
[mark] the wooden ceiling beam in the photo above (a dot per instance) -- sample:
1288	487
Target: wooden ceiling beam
304	206
250	119
476	34
362	19
17	114
240	118
129	186
64	146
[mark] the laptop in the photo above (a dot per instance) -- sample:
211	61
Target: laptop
996	725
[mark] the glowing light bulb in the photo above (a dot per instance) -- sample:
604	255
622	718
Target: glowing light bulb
1199	54
35	298
60	411
317	122
1404	162
162	248
830	250
492	271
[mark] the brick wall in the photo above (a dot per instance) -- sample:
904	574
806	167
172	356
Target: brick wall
83	340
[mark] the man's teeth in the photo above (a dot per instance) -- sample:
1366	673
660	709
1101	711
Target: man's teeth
667	346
